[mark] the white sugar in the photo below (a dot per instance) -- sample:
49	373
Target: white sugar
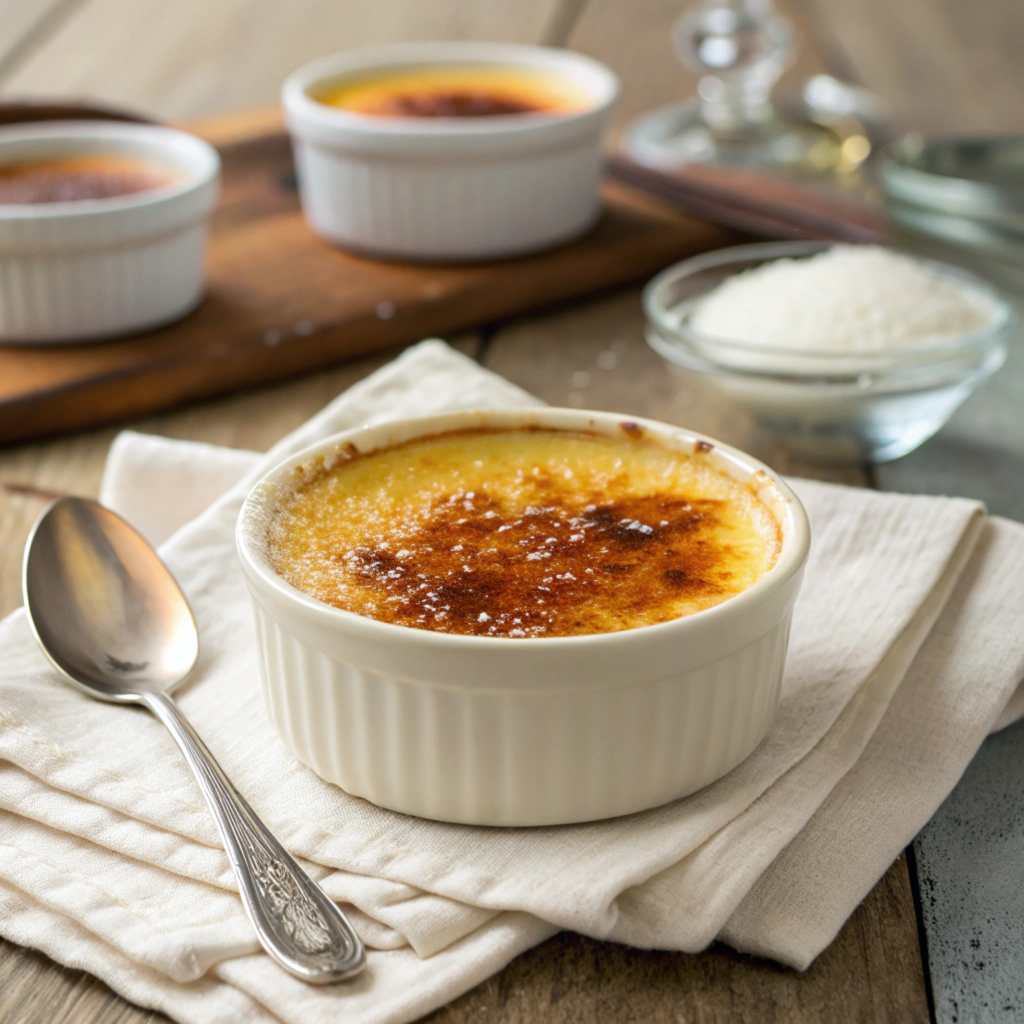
846	299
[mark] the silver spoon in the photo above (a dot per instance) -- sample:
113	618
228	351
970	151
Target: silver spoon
112	620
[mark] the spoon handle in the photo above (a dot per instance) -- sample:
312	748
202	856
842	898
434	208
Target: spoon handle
296	921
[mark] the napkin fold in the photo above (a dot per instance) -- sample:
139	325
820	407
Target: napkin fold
903	657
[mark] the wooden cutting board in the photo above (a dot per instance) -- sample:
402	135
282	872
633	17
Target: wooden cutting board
281	301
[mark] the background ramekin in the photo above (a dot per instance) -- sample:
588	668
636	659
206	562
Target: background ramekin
447	189
94	268
496	731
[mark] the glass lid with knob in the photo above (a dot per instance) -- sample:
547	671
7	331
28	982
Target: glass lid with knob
740	49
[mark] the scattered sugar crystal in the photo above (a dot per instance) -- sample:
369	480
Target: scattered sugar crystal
635	524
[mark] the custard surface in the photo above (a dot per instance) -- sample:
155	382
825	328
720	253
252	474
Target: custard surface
90	177
459	91
521	533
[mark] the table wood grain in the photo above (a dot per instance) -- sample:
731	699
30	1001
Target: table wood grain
941	64
191	58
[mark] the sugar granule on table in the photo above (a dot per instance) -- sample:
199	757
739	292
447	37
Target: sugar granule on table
849	298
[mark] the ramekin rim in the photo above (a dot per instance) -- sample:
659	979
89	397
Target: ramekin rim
296	99
790	562
162	139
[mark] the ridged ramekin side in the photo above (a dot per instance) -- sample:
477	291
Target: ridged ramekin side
518	757
459	209
86	293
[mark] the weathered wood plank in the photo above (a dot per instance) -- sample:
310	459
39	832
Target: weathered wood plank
970	872
35	990
192	57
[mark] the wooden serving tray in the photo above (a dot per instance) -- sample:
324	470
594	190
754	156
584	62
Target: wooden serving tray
281	301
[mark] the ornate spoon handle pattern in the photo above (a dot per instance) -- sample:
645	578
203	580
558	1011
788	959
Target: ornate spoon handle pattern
296	921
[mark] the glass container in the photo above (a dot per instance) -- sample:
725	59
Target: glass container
838	407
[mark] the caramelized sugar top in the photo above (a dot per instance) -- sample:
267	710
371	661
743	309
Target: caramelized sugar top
92	177
521	533
459	91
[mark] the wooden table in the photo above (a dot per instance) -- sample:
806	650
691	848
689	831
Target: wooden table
941	64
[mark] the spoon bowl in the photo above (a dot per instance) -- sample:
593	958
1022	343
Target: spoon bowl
105	609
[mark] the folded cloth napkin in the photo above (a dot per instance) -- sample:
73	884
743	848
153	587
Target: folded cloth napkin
904	655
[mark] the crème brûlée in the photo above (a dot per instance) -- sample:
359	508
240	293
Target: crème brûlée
459	91
529	532
75	178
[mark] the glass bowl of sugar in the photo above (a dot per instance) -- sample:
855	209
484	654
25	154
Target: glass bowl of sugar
847	353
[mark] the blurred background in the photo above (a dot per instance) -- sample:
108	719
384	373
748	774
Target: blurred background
941	65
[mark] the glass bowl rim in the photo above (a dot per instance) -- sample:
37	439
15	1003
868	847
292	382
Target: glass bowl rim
906	180
670	334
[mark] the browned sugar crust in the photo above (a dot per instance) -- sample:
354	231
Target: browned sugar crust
58	181
543	555
452	103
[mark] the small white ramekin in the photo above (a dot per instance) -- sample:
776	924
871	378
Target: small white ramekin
95	268
494	731
448	188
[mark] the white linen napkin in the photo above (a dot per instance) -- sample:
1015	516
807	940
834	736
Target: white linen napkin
903	657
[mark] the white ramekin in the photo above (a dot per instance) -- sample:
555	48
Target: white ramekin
95	268
448	189
493	731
